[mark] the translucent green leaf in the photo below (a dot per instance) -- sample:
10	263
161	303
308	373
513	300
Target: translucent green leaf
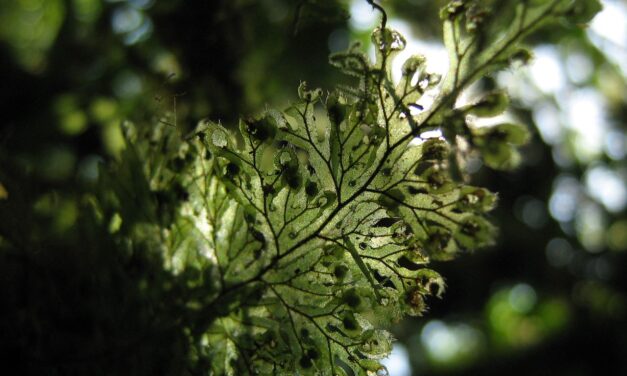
497	144
308	233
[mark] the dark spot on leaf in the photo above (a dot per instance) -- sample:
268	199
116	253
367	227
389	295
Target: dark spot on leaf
383	280
231	170
433	288
438	240
470	228
387	202
291	177
414	191
268	189
436	180
177	164
404	262
261	129
340	271
434	150
180	192
313	354
352	299
332	328
422	167
311	189
258	235
417	106
349	323
385	222
336	113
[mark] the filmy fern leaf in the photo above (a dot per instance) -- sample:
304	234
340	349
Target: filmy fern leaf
316	224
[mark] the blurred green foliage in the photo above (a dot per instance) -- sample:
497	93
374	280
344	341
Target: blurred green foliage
74	70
